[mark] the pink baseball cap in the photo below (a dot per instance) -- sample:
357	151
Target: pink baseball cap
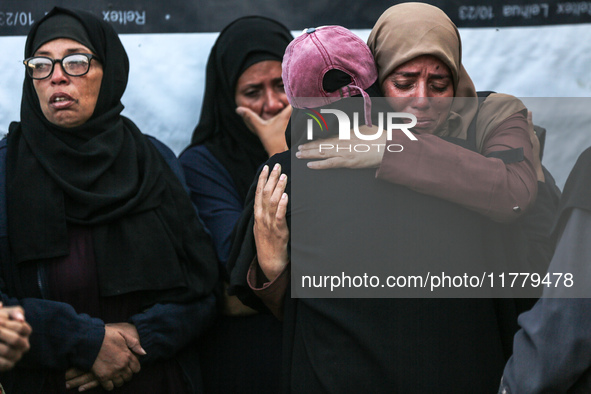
309	58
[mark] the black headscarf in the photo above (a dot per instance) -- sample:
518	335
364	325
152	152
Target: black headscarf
61	26
105	174
241	44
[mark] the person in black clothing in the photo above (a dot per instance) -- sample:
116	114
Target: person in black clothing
101	245
242	122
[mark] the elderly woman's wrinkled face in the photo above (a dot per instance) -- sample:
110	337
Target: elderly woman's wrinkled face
68	101
260	88
423	87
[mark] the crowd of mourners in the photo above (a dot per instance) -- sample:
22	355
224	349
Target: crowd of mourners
124	268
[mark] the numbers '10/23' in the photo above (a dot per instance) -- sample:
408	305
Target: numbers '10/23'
16	18
524	279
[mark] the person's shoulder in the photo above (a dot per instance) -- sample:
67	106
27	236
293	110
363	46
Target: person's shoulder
503	105
577	190
196	151
3	150
199	156
584	159
164	150
281	158
581	170
161	146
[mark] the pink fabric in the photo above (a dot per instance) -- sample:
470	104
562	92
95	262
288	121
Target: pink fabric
308	57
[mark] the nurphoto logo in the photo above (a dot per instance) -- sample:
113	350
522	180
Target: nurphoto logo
402	121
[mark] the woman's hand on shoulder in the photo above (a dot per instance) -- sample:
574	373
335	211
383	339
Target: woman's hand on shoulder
271	132
270	226
351	153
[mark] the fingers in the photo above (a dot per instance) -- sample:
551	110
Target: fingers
272	180
119	380
108	385
24	329
13	340
250	118
116	363
9	353
271	131
88	386
258	198
256	124
314	145
312	151
16	313
21	328
72	373
282	209
6	364
12	347
269	188
13	318
271	185
321	148
130	335
133	342
352	153
134	365
270	228
333	162
135	347
90	380
124	377
324	151
85	378
270	196
278	191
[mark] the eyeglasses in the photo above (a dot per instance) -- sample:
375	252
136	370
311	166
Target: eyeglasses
75	65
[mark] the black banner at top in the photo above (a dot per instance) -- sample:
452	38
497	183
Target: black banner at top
182	16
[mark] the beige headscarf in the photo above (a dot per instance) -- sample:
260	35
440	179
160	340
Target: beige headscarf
408	30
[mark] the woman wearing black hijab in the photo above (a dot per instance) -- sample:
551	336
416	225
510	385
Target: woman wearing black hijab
224	154
243	119
103	248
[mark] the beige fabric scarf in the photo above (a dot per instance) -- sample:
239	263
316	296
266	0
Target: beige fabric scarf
408	30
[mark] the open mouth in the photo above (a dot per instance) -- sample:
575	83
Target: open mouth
61	100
